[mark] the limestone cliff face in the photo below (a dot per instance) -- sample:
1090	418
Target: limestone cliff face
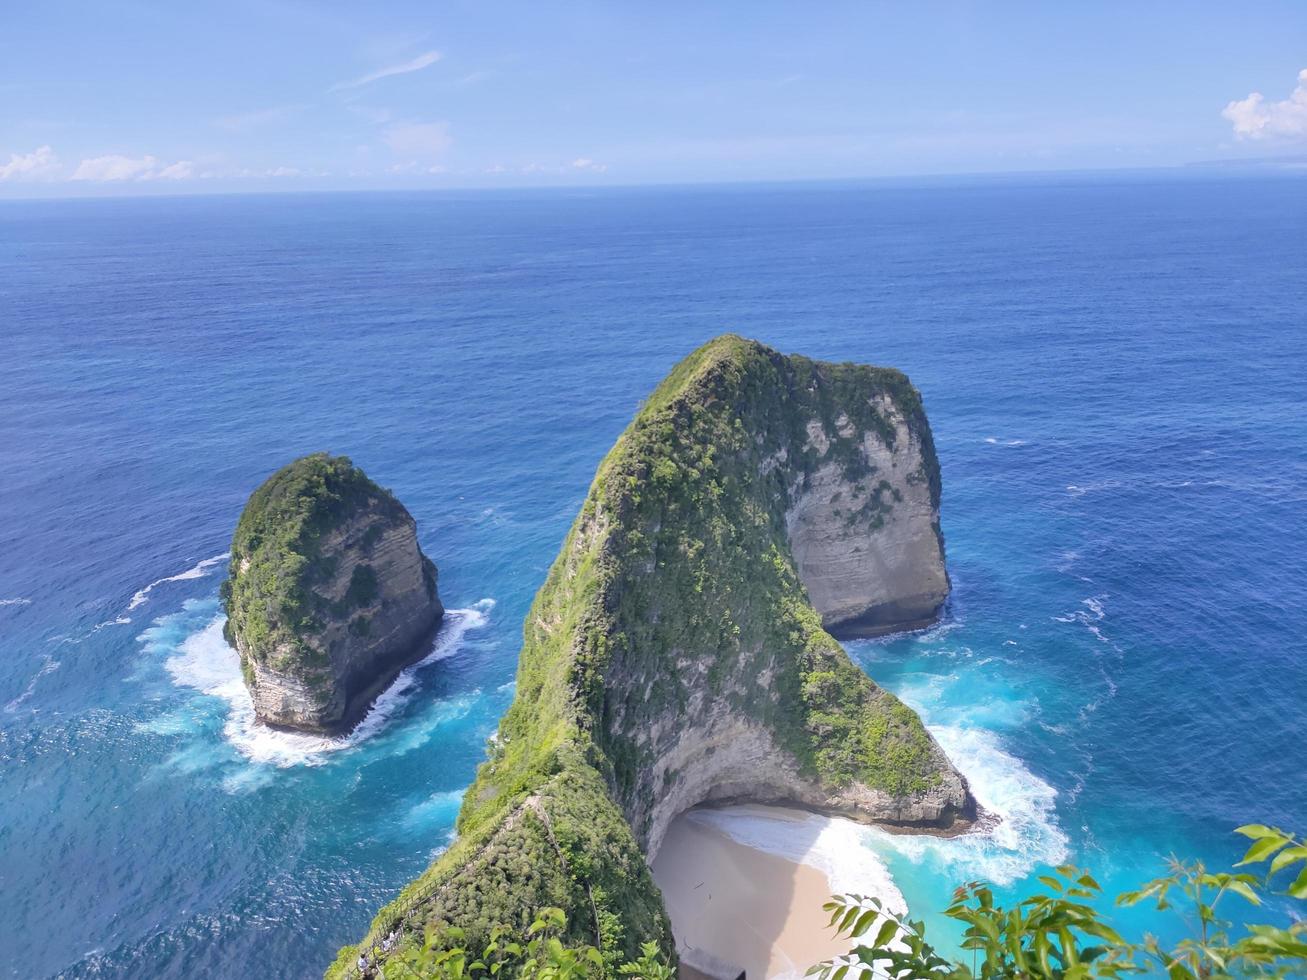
329	595
773	488
869	550
679	651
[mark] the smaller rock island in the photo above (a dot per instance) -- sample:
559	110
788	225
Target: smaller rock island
328	596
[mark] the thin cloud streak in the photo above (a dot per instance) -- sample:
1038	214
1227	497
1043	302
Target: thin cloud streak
425	60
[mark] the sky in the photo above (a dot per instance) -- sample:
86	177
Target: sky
127	96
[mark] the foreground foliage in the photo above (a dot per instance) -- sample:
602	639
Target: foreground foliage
540	954
1059	934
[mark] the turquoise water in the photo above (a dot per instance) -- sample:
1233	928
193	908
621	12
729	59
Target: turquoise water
1113	370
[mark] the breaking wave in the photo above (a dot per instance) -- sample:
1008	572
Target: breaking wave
205	662
1026	834
199	570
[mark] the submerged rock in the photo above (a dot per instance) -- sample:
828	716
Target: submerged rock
328	595
678	652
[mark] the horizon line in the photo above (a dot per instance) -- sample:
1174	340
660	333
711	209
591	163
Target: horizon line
1284	166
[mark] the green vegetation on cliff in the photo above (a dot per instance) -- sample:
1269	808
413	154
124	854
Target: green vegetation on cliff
277	560
563	845
674	590
681	546
1057	933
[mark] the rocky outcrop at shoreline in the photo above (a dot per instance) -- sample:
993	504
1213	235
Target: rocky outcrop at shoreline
328	596
680	652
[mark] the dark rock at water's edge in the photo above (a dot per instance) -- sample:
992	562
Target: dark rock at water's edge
328	596
680	653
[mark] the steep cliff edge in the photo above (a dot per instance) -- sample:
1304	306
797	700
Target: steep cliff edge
676	653
328	595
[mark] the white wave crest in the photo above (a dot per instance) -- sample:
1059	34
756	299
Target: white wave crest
199	570
207	663
1027	835
1090	617
950	621
1076	490
15	602
49	665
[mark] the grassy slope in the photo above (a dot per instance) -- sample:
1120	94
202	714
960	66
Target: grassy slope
680	546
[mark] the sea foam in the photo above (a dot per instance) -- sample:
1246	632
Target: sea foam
1090	618
205	662
1026	834
199	570
438	810
49	665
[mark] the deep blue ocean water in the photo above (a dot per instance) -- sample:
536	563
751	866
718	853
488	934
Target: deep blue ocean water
1115	371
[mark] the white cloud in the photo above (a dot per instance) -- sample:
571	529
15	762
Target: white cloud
418	139
585	163
181	170
1255	118
41	162
411	168
425	60
115	167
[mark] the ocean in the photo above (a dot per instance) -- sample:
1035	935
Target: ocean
1115	369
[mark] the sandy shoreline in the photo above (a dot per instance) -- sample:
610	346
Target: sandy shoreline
741	905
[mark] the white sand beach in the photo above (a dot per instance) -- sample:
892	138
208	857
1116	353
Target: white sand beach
744	887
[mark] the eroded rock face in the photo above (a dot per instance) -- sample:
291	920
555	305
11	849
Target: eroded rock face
329	595
735	760
837	479
868	549
679	652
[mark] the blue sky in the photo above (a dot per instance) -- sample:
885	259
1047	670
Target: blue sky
135	97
